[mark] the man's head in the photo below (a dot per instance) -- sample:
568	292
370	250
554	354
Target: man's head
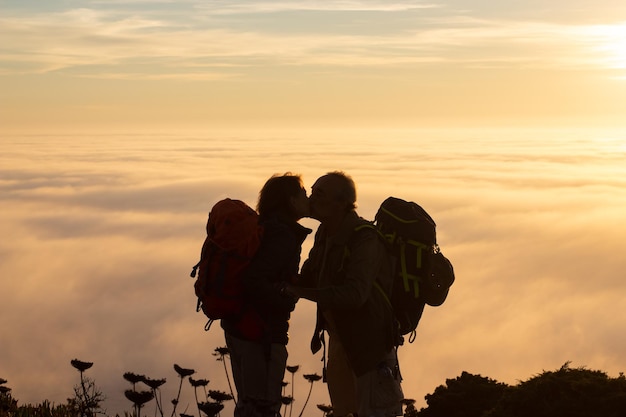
332	196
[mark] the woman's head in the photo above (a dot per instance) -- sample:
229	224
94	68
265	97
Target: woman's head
283	194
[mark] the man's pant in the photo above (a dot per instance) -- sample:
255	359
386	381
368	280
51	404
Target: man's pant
374	394
257	376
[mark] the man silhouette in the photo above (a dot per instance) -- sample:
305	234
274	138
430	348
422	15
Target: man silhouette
347	275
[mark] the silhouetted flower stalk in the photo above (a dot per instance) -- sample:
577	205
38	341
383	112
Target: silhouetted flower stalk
85	402
311	378
138	398
155	385
198	383
221	353
286	400
284	385
182	373
292	370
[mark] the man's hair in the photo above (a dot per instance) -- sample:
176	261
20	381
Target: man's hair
347	189
275	195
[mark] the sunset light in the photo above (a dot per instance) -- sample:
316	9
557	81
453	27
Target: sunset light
611	44
122	122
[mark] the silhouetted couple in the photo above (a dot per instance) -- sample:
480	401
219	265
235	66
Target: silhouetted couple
339	275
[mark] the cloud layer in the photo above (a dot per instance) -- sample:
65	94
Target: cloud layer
101	233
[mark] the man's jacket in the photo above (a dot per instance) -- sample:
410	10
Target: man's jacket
343	269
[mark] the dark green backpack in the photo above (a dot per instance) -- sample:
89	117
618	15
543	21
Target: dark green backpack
422	275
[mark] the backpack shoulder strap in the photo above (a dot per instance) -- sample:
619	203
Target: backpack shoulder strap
346	254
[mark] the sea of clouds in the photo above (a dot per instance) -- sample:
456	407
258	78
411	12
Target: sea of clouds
100	232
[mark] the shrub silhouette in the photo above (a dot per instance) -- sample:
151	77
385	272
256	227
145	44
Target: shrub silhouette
465	396
567	392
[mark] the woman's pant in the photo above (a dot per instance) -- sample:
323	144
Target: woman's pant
258	373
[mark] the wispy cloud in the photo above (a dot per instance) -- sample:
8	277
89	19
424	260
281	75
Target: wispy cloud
110	43
234	7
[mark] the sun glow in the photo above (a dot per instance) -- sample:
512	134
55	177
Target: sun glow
611	44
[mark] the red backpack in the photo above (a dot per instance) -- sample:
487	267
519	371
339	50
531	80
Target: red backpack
233	237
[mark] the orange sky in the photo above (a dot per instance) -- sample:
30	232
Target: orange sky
409	63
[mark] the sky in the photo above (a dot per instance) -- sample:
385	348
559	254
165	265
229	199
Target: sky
122	122
80	64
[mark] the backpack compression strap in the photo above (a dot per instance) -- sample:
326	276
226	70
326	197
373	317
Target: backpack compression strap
419	248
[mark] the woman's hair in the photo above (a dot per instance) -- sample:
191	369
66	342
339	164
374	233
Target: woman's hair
275	195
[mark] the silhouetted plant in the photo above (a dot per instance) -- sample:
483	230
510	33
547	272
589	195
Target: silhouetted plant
134	378
326	409
409	410
182	374
292	370
219	396
87	398
155	385
211	409
284	385
577	392
198	383
45	409
312	378
80	365
465	396
7	403
221	353
138	398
